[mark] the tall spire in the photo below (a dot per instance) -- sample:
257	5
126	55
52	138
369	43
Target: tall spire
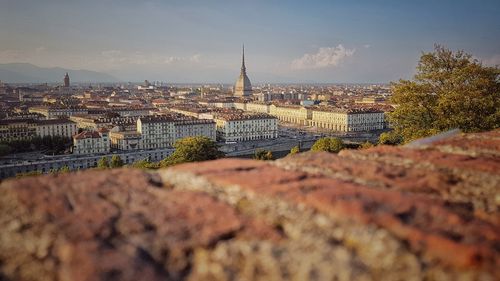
243	68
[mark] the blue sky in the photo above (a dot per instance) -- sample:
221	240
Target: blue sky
285	41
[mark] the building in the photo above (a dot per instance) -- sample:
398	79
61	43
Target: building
193	128
56	127
156	131
22	129
26	129
291	113
52	112
243	87
91	142
239	126
127	140
346	120
66	80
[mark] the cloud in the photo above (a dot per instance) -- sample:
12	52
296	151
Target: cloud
325	57
367	46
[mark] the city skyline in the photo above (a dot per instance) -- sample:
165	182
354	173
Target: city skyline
189	41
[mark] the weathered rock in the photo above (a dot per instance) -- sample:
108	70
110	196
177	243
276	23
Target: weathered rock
386	213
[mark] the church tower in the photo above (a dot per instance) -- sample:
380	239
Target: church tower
243	87
66	80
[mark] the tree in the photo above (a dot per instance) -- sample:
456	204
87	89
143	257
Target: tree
28	174
262	154
64	169
116	162
366	145
193	149
450	90
294	150
145	164
103	163
390	138
333	145
4	149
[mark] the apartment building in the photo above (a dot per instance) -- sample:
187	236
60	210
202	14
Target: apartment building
156	131
126	140
52	112
239	126
56	127
91	142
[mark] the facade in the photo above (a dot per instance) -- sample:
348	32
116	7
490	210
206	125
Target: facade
78	162
291	114
91	142
57	112
157	131
11	130
243	87
56	127
244	127
192	128
127	140
347	120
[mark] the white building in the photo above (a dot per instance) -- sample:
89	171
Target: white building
91	142
127	140
244	127
192	128
56	127
346	120
156	131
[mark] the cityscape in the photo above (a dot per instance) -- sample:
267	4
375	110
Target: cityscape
263	140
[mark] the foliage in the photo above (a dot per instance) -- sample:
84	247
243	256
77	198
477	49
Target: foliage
64	169
103	163
262	154
450	90
145	164
366	145
390	138
333	145
116	162
49	144
28	174
4	149
192	149
294	150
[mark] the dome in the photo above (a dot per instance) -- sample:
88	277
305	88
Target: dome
243	87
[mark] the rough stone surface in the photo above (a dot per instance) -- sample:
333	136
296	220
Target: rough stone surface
386	213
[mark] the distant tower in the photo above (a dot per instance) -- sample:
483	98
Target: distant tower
66	80
243	87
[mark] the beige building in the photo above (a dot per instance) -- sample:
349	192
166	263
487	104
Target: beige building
127	140
11	130
346	120
291	113
57	112
243	87
91	142
56	127
238	127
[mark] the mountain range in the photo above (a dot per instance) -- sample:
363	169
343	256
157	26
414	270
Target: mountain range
29	73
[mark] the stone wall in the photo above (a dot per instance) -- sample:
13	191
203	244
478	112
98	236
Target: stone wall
386	213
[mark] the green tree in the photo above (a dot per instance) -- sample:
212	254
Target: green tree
64	169
145	164
116	162
262	154
450	90
366	145
390	138
28	174
193	149
4	149
294	150
103	163
332	145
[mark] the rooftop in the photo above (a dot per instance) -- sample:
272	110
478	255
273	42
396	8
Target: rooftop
426	211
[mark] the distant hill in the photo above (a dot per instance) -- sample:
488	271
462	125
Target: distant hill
29	73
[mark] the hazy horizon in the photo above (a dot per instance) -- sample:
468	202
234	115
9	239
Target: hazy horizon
285	42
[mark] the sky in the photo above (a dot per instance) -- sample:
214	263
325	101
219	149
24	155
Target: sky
359	41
